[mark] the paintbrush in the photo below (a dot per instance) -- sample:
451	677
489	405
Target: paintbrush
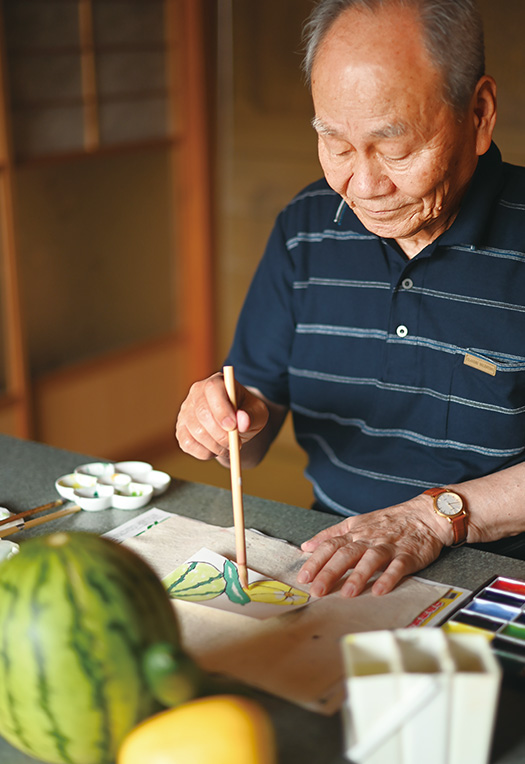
28	512
40	520
236	483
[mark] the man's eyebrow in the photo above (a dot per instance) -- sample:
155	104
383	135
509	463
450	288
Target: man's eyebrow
391	130
320	127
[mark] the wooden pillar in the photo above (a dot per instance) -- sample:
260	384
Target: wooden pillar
192	175
16	396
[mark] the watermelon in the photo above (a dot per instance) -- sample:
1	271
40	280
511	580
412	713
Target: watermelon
81	617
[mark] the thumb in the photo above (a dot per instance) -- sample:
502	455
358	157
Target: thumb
243	421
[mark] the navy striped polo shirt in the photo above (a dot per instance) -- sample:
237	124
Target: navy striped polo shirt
400	374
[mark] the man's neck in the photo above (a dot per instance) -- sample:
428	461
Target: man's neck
416	243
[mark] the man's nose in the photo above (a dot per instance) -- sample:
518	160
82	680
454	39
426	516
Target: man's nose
366	178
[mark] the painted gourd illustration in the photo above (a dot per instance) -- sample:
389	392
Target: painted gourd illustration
199	581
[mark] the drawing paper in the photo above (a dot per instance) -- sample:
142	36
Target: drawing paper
295	655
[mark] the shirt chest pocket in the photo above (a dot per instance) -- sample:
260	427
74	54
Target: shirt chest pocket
486	408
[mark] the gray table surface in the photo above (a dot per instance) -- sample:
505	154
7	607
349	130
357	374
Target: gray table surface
27	475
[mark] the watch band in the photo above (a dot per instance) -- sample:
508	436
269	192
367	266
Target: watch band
460	529
459	522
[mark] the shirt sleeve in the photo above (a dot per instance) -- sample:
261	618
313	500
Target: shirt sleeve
263	338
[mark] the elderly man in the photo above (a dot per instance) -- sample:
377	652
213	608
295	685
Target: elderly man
388	312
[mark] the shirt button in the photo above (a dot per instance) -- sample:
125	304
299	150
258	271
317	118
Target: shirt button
401	330
407	283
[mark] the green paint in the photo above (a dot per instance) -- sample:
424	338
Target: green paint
513	630
234	590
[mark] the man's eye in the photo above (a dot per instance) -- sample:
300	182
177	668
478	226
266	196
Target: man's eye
337	148
394	159
340	151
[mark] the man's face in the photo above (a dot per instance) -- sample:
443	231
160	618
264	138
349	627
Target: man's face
388	144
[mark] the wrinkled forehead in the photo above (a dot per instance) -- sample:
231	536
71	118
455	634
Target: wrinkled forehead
375	68
388	42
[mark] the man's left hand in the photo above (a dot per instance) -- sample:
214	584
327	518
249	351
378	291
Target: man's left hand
399	540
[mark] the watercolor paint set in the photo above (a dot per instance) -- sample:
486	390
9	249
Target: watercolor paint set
496	610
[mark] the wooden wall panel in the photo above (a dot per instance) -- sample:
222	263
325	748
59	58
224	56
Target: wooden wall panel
117	407
120	206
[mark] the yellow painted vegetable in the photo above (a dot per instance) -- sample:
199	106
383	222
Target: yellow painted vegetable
221	729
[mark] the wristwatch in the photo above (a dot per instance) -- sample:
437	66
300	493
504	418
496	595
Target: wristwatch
449	504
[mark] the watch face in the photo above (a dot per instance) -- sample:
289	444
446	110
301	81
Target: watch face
449	503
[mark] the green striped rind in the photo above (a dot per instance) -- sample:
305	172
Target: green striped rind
75	619
195	582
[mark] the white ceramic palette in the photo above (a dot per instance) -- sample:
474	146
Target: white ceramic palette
122	485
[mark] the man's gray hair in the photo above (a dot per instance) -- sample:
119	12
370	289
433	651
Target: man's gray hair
453	37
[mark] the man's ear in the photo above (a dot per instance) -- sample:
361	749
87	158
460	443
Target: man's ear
484	110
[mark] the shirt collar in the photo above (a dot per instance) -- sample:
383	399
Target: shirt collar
475	211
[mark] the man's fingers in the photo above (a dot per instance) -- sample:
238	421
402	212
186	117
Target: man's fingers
205	418
335	557
328	563
214	408
333	532
203	448
378	558
375	558
401	566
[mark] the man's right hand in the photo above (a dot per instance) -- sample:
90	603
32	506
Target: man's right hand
207	415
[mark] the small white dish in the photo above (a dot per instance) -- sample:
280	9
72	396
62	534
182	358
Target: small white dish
159	480
94	498
96	469
8	549
136	470
67	484
132	496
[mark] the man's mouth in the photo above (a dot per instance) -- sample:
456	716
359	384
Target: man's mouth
376	213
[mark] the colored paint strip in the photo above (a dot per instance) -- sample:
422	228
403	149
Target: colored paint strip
455	627
492	609
477	621
515	631
512	599
509	585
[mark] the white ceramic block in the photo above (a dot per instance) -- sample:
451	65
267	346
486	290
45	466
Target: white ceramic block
425	658
416	695
476	685
373	670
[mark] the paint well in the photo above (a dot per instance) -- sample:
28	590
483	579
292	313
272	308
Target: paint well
503	598
514	630
509	585
492	609
455	627
477	621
